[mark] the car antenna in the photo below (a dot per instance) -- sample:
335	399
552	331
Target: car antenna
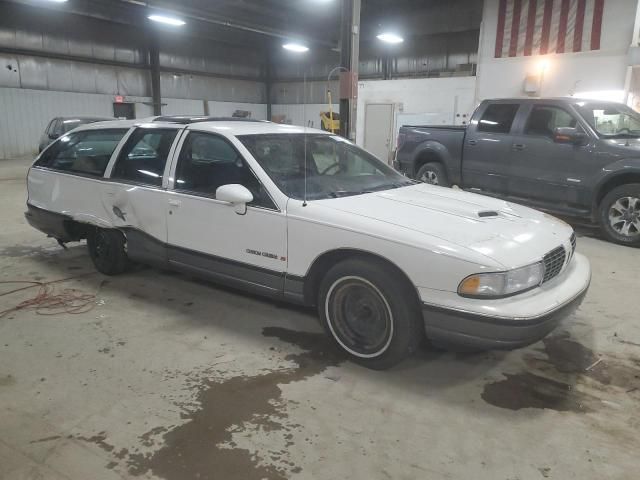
304	119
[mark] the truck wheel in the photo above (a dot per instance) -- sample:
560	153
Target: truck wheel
106	248
620	215
433	174
370	312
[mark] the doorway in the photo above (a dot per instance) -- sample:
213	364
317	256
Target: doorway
378	129
124	110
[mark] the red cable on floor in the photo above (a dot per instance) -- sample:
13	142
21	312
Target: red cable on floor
48	302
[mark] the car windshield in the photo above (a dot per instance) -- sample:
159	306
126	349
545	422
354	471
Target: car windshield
611	120
334	167
71	123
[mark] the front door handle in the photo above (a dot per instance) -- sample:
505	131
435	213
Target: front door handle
174	203
519	146
472	142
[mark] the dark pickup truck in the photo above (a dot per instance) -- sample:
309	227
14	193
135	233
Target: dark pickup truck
573	157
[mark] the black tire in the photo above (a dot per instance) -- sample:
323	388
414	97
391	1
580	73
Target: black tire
107	251
390	316
618	214
433	173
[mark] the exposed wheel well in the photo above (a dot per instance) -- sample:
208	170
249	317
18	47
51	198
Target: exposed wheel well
426	157
324	262
614	183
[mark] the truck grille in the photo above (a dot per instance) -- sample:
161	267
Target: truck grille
553	263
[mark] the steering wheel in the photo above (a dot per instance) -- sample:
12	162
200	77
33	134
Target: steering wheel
331	167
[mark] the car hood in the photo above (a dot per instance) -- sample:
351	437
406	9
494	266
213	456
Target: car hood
509	234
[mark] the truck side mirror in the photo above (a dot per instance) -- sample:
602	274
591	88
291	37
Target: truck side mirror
569	135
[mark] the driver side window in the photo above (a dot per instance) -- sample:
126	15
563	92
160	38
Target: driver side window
544	120
208	161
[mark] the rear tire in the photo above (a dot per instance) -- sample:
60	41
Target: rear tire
434	174
371	312
107	251
619	214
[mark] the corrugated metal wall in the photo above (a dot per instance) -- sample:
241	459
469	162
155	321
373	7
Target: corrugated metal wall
24	113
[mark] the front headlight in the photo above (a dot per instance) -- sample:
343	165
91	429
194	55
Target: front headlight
502	284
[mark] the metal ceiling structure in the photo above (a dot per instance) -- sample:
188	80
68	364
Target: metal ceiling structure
225	41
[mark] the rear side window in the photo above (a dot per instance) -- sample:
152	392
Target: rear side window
143	158
86	153
498	118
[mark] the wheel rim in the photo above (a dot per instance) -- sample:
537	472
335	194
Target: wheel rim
624	216
430	177
359	317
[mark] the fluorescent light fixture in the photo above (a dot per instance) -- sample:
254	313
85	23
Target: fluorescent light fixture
390	38
176	22
58	1
295	47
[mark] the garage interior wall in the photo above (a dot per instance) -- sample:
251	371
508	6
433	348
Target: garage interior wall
598	74
48	70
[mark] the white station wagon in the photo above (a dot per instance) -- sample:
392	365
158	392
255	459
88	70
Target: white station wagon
308	217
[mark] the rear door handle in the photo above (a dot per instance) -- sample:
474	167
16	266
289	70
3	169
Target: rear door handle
472	142
519	146
174	203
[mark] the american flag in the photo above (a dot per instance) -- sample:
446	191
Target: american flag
538	27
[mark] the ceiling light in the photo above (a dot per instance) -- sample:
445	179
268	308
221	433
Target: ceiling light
58	1
295	47
176	22
390	38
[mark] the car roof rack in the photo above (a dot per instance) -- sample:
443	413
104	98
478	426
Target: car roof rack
186	119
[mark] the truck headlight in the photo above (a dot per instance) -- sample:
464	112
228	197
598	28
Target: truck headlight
502	284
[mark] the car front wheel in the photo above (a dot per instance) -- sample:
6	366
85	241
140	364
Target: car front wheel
371	312
620	215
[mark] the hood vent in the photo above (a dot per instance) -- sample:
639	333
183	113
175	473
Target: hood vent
488	213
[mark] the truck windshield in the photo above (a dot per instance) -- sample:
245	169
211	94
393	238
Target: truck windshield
611	120
334	167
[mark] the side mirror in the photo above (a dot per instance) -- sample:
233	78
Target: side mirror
54	136
569	135
236	195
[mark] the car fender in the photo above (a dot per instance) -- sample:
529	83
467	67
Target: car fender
441	152
614	175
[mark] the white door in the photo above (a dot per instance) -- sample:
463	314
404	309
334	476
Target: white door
378	130
207	236
135	197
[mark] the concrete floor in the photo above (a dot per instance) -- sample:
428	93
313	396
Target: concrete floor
168	377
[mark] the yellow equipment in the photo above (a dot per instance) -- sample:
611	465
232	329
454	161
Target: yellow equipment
330	122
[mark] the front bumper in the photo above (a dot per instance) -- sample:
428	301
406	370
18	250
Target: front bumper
516	321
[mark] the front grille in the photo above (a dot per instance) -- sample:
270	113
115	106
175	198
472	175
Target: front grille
553	263
573	243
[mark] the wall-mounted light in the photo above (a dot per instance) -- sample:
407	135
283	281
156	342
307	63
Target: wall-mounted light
390	38
167	20
295	47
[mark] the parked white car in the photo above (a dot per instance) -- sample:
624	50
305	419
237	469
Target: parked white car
307	216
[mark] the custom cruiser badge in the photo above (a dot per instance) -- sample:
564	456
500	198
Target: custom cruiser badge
263	254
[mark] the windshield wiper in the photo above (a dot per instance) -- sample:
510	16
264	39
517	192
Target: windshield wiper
623	135
346	193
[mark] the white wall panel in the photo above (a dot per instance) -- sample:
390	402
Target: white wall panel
25	114
179	106
438	98
226	109
594	74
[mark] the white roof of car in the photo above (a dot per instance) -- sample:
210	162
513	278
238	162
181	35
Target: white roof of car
232	127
